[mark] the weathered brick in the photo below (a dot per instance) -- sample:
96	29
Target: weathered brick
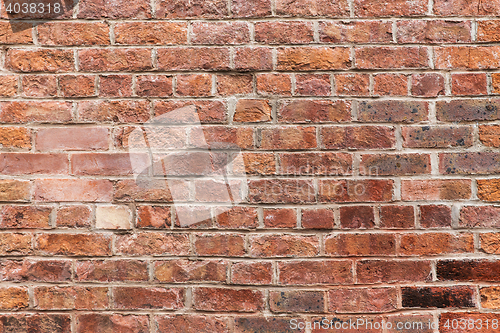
330	272
228	85
28	163
111	270
435	244
115	60
15	244
152	243
113	217
73	33
77	85
154	85
313	84
283	246
36	270
274	84
427	85
148	298
34	111
359	137
479	216
39	85
151	33
198	9
255	164
468	84
469	163
365	244
74	216
438	297
280	218
466	8
435	216
107	323
200	58
178	270
480	270
315	111
391	57
125	111
193	217
115	85
374	8
154	190
309	301
435	31
25	217
317	219
98	190
357	217
489	297
192	323
397	217
236	217
488	189
396	164
153	217
219	245
313	58
281	191
312	8
254	272
490	135
487	31
252	110
72	138
290	32
329	164
352	84
13	298
220	33
208	111
15	190
355	32
74	244
390	85
436	189
15	32
15	137
71	298
468	110
489	242
466	57
437	137
120	9
393	111
391	271
362	300
253	59
8	85
225	299
285	138
355	190
40	60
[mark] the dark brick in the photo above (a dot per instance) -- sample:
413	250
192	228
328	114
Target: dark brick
438	297
468	110
393	111
469	163
468	270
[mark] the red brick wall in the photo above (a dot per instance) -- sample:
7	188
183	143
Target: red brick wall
365	186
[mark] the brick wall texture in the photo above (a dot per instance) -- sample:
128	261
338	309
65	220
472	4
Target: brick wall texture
366	186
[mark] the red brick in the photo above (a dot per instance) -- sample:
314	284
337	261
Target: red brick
330	272
489	242
469	163
396	164
357	217
313	84
488	31
438	297
280	218
152	243
27	163
284	138
435	244
284	246
426	190
73	33
355	32
468	110
374	8
198	85
435	216
15	190
274	84
393	111
197	9
71	298
352	84
236	217
489	297
490	135
194	217
115	85
309	301
115	60
34	111
362	300
154	85
126	111
254	164
192	323
77	216
397	217
39	85
219	190
315	111
77	85
465	8
72	138
74	244
8	85
33	322
317	219
479	216
99	190
25	217
13	298
15	137
208	111
250	8
466	57
468	84
413	321
254	272
153	217
15	32
176	271
281	191
390	85
89	9
219	245
253	59
365	244
151	33
227	300
189	58
228	85
446	320
488	189
427	85
291	32
15	244
330	164
134	298
252	110
36	270
312	8
111	323
220	33
111	270
156	190
313	58
437	137
391	271
475	270
40	60
359	137
355	190
391	57
437	31
190	164
267	324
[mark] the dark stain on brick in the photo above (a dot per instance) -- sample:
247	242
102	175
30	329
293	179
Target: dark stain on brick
438	297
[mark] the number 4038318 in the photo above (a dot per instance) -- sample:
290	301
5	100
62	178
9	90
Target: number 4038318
471	324
33	8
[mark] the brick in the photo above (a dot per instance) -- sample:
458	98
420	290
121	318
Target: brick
115	60
480	270
98	190
312	8
412	322
393	111
391	271
219	190
291	32
34	111
355	190
148	298
253	59
468	84
397	164
468	110
435	244
113	217
228	85
198	85
111	270
374	8
309	301
189	58
15	137
489	297
8	85
487	31
331	272
194	217
71	298
435	31
317	219
437	137
427	85
72	138
435	216
40	60
490	135
120	9
469	163
219	245
359	137
438	297
489	242
153	217
348	244
155	190
198	9
115	85
312	85
466	57
224	299
13	298
390	85
465	8
280	218
36	270
154	85
78	216
118	164
254	164
179	270
315	111
436	189
15	244
280	191
39	85
397	217
283	246
73	33
488	189
355	32
15	32
254	272
285	138
385	57
28	163
250	8
330	164
111	323
152	243
446	321
357	217
74	244
220	33
274	84
313	58
236	217
357	300
126	111
352	84
151	33
192	323
191	164
15	190
208	111
77	85
479	216
33	322
266	324
25	217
